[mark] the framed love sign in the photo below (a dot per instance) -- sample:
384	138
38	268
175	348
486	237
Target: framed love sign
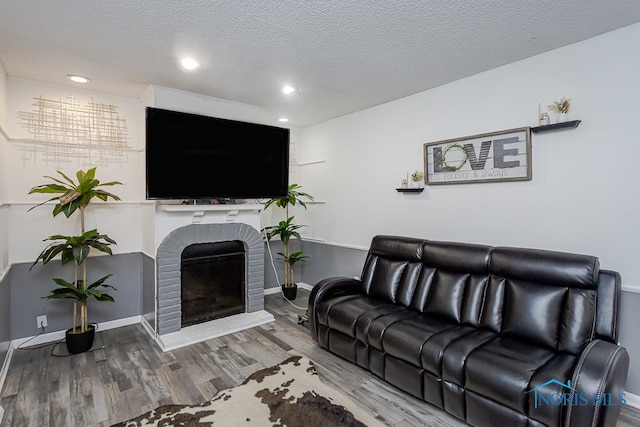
488	157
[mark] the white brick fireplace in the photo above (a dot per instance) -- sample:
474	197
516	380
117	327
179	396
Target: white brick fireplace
178	226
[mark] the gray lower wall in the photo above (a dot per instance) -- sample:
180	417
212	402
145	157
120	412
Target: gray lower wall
28	287
329	261
149	289
5	317
325	261
629	338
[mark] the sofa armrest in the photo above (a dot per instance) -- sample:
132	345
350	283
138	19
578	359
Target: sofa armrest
334	286
598	381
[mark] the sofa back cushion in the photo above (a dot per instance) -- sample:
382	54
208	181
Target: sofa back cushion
392	268
452	282
544	297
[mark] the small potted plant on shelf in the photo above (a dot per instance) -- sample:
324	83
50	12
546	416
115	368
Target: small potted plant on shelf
287	230
74	197
561	108
417	179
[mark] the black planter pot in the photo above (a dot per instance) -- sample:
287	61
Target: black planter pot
80	342
291	292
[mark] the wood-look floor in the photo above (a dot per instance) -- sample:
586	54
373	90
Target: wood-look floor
130	376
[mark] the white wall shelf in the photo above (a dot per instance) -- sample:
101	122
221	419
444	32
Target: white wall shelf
556	126
198	208
313	162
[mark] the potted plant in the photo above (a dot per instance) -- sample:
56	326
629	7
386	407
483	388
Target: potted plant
561	108
287	230
74	197
417	177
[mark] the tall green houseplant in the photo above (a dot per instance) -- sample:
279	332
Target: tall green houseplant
74	197
287	230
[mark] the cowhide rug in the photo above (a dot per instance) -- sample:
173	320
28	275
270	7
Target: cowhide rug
289	394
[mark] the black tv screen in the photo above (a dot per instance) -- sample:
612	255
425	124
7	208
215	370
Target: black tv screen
189	156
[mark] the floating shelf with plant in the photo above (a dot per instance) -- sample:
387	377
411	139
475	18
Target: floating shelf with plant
410	190
556	126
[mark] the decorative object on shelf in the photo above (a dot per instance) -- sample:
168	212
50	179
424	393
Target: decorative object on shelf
572	124
74	197
62	129
404	184
544	119
561	108
466	160
417	179
287	230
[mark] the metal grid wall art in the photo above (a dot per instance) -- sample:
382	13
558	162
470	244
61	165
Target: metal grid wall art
62	130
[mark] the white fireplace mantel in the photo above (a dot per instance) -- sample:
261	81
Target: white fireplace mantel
169	217
228	208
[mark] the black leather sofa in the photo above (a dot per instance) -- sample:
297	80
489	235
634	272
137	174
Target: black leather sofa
495	336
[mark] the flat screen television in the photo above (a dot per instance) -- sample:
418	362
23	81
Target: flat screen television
189	156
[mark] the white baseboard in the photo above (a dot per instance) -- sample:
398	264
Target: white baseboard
271	291
147	327
3	373
58	335
633	400
276	289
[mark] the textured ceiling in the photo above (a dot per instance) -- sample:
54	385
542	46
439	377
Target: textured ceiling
343	55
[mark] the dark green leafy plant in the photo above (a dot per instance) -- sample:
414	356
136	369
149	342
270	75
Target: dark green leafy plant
72	197
293	196
287	230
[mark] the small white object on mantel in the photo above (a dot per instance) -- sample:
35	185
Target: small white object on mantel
197	217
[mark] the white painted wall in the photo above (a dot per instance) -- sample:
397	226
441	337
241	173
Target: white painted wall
28	170
148	208
4	147
3	97
178	100
583	196
4	247
120	220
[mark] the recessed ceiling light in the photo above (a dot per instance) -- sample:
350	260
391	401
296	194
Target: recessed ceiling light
289	89
283	120
189	63
78	79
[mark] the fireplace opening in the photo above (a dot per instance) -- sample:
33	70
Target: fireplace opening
212	279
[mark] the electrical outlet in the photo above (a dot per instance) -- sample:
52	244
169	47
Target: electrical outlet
42	321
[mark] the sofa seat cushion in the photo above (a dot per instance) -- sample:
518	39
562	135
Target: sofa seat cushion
457	352
507	370
353	313
407	339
